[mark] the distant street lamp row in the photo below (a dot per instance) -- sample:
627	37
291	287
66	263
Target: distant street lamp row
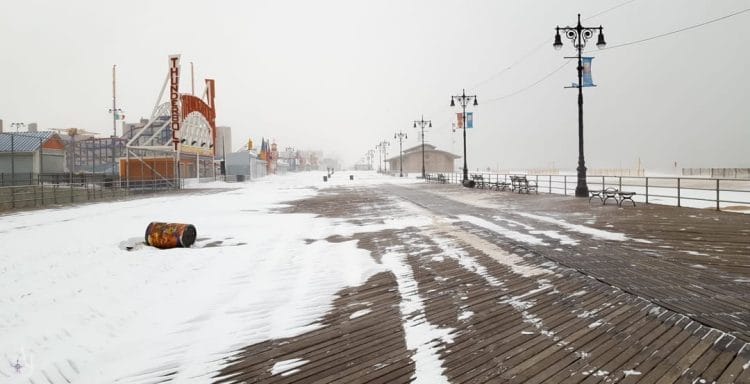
579	35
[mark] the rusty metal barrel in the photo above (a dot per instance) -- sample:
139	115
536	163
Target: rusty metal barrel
170	235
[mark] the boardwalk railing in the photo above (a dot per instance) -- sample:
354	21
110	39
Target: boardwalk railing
43	190
733	194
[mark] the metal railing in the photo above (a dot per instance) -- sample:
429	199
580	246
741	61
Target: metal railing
34	190
693	192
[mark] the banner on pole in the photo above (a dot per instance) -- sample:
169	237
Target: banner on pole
469	120
460	120
587	81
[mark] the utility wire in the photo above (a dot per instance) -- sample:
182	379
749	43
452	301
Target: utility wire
558	69
545	77
541	45
677	31
622	45
609	9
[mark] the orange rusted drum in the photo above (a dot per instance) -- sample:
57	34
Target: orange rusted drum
170	235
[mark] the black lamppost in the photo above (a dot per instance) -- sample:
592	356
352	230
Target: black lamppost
422	123
464	100
370	155
380	158
383	149
400	136
579	35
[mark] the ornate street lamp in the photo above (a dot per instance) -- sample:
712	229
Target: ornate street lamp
579	35
400	136
464	100
382	148
422	123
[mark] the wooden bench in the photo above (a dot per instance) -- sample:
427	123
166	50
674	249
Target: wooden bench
596	193
612	193
521	184
478	181
500	185
625	196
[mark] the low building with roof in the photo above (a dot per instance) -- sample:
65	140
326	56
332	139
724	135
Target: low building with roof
31	153
435	160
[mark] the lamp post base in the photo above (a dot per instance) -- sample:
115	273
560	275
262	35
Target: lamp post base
582	190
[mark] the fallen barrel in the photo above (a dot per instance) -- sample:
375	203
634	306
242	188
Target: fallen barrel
170	235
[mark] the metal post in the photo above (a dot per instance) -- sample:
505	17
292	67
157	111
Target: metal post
646	190
550	184
466	169
423	169
115	115
579	35
582	190
717	195
41	162
678	193
12	160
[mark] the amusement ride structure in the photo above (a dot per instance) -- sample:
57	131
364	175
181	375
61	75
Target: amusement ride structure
178	140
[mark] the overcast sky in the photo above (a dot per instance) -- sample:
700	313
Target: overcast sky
343	75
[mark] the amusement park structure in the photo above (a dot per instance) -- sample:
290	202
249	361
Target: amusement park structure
178	139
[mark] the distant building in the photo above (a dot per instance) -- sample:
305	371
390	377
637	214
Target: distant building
435	160
223	141
245	165
32	152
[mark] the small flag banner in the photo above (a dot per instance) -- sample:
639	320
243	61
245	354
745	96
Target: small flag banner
469	120
587	81
460	120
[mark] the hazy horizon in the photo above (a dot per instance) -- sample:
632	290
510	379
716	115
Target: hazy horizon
341	76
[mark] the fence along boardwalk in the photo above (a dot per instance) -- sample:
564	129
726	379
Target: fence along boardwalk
648	325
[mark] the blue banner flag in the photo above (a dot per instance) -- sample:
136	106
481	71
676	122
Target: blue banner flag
469	119
587	81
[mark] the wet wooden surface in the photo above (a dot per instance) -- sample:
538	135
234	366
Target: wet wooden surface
666	299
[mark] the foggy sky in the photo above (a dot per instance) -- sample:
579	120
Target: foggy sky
343	75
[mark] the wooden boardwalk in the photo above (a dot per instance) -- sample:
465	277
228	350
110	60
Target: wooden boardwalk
524	289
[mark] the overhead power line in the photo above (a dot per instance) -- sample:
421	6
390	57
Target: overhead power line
545	77
542	45
677	30
608	10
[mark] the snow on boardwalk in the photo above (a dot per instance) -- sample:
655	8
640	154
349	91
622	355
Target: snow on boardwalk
349	283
